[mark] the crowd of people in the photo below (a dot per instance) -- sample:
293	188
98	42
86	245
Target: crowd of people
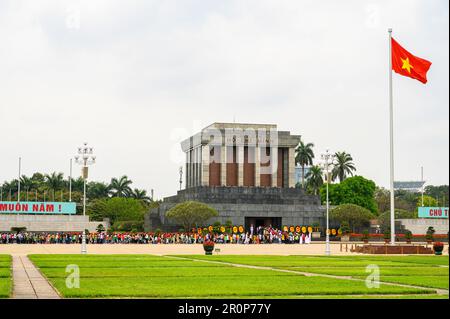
260	235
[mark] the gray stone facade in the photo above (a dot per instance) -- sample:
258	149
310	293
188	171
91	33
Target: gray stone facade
244	205
49	223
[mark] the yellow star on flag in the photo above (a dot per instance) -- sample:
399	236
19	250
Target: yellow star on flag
406	65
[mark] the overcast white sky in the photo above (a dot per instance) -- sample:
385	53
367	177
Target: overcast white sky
133	78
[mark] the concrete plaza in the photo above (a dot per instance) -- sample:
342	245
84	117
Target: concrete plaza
182	249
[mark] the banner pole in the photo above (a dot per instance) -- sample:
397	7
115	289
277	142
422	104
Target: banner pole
18	185
70	182
391	141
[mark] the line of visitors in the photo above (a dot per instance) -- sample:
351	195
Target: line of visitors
260	235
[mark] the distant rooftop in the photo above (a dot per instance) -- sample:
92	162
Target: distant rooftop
409	185
219	125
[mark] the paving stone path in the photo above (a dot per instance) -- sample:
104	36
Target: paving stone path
28	282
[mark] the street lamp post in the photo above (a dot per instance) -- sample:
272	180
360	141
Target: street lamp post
326	158
181	176
84	158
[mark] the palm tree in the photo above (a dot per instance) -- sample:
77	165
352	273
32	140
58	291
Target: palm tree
98	190
314	178
121	186
343	166
38	179
27	183
77	184
140	194
54	182
304	157
10	188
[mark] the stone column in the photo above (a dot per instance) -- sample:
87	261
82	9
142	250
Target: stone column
223	165
291	169
191	168
186	171
195	167
257	166
199	165
274	165
205	165
240	160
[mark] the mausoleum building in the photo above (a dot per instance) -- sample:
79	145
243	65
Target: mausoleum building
247	173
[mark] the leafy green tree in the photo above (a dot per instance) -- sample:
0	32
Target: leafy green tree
38	179
382	199
353	215
440	192
304	157
353	190
405	200
97	190
120	187
428	201
191	213
314	178
343	166
117	209
384	219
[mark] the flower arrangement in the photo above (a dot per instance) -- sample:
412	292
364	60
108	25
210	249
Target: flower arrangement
429	234
408	236
208	243
387	235
208	247
345	228
438	247
365	236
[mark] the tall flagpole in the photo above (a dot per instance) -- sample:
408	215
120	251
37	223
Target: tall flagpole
18	185
70	181
391	141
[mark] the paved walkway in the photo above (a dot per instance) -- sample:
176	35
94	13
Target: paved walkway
28	281
175	249
315	248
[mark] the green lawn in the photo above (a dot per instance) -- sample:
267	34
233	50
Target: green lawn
141	276
423	271
5	276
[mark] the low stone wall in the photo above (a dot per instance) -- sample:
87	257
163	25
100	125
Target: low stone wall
420	225
50	223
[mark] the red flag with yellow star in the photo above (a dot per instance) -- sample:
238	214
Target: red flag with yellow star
404	63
